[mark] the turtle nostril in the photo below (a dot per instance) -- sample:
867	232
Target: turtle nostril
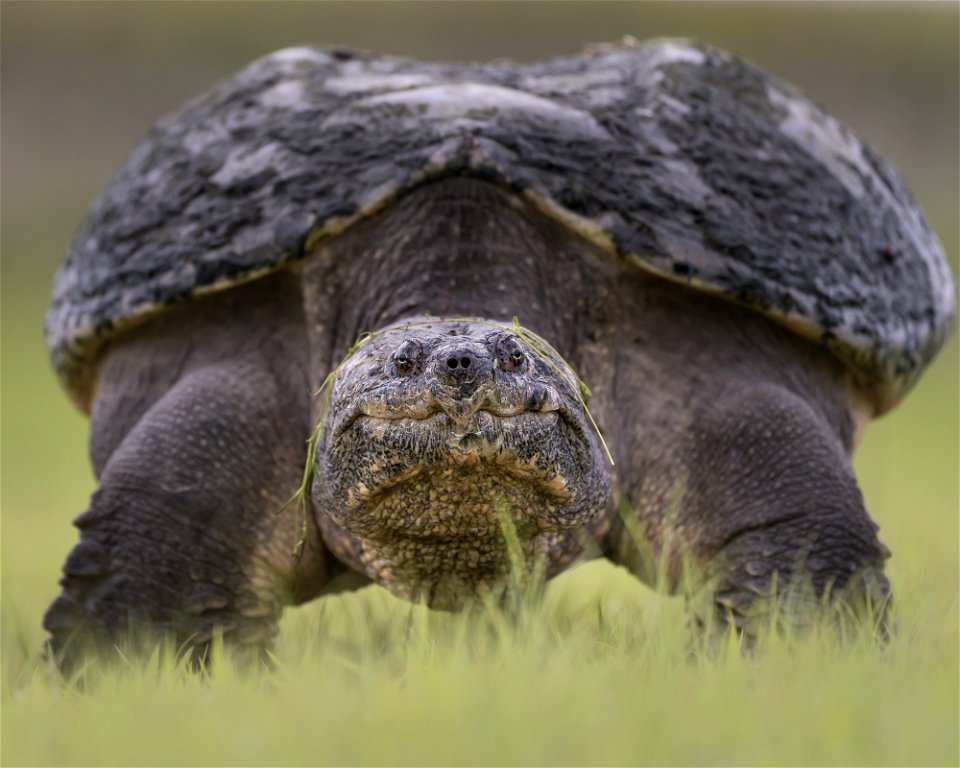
460	364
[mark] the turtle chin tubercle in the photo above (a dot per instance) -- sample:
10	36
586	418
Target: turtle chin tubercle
438	433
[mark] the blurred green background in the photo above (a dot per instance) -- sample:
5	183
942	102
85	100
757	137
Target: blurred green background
82	82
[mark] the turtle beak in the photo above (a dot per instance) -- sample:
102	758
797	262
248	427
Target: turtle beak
462	380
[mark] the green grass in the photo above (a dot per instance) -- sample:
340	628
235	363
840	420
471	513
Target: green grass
601	671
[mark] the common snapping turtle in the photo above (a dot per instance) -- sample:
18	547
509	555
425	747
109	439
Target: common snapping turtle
741	282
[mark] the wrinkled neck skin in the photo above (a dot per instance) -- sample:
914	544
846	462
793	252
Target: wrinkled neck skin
439	436
457	248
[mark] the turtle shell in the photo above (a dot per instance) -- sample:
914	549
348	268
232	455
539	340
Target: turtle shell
680	158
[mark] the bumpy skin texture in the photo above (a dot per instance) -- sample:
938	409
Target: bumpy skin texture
679	157
437	435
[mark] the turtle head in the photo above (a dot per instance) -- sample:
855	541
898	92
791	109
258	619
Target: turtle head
436	435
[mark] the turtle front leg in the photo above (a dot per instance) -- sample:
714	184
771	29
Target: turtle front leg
760	496
198	439
775	488
733	439
182	534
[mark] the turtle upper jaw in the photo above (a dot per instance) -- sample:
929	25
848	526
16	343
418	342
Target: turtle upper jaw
461	408
463	402
481	432
460	403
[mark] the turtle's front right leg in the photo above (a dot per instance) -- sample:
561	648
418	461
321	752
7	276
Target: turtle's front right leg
198	438
759	495
182	534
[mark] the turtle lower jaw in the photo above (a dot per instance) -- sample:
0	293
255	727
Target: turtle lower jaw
438	533
425	506
446	571
447	576
466	499
420	502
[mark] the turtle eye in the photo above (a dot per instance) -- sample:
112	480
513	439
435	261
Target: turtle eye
406	359
509	354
